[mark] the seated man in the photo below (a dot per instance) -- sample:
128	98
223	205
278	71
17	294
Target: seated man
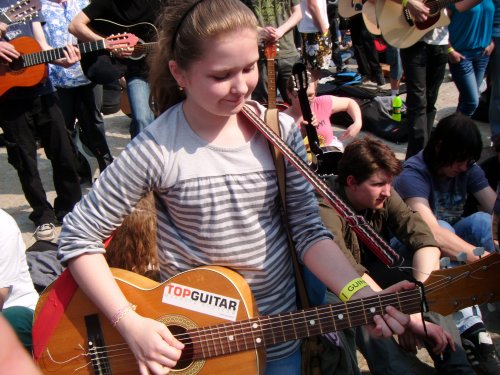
436	182
365	174
18	296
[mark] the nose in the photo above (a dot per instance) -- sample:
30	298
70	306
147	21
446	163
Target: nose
386	191
239	85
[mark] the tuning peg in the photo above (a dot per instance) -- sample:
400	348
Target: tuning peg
478	251
462	257
444	262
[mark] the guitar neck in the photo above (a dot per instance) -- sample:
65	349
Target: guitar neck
42	57
228	338
271	84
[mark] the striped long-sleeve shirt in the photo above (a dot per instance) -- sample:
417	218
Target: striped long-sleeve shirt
215	205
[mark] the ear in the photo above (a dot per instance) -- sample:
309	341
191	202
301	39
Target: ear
177	73
351	182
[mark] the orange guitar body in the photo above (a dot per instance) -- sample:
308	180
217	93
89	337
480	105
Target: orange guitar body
68	348
25	77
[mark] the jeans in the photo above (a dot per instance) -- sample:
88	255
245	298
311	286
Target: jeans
283	68
494	72
394	60
138	95
290	365
468	75
424	66
476	230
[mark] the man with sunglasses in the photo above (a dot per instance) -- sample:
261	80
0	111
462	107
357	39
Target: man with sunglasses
436	182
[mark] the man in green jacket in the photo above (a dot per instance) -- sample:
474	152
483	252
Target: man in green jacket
365	175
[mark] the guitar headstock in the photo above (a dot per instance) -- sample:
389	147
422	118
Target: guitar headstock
452	289
21	11
300	77
271	50
121	41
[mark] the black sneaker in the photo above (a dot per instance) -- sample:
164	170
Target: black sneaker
481	353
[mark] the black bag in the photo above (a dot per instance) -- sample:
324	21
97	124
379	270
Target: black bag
378	120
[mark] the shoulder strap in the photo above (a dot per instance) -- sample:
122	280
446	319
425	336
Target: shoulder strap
375	243
272	120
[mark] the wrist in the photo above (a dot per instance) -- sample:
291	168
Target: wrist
404	3
351	288
450	49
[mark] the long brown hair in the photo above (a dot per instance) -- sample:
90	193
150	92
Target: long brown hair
185	31
133	246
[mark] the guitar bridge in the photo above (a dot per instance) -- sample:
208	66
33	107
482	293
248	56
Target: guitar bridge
408	17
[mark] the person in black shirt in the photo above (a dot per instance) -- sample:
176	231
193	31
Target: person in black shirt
122	15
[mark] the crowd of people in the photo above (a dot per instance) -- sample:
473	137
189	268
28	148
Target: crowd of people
197	184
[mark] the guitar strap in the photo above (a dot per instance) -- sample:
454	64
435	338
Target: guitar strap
52	311
271	117
370	238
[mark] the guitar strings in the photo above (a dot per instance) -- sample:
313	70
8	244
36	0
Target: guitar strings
122	350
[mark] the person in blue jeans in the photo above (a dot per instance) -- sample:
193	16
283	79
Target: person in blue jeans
494	75
128	13
436	183
470	46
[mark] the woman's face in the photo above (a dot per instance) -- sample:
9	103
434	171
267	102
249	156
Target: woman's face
221	81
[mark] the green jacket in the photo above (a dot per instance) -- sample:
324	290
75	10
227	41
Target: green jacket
394	218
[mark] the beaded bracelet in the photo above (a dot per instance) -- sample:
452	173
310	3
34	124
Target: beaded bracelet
120	314
351	288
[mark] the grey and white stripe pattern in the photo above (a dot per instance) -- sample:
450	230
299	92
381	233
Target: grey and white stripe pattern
215	206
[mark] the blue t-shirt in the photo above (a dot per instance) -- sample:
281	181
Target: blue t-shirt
473	28
446	197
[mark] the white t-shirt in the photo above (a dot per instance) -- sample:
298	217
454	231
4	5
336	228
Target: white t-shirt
14	272
306	24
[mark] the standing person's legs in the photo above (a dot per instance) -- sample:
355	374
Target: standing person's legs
437	58
284	72
468	75
59	150
19	128
414	61
494	72
138	94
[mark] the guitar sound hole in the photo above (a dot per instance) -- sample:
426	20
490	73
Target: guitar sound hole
187	353
16	64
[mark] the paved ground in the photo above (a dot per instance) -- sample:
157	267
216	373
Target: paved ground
12	199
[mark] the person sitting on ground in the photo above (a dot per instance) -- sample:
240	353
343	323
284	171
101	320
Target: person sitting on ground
133	245
365	174
322	108
18	296
436	183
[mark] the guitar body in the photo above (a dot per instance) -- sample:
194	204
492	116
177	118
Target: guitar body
370	18
349	8
100	67
396	29
68	349
14	76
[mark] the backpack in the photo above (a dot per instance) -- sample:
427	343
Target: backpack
377	120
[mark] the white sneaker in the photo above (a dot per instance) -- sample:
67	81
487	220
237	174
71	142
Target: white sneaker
45	232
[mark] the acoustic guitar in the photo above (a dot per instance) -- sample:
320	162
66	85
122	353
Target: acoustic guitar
212	311
30	68
349	8
102	68
400	29
21	11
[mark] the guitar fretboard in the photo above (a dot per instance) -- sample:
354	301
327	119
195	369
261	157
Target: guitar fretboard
262	331
43	57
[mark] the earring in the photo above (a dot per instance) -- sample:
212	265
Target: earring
181	88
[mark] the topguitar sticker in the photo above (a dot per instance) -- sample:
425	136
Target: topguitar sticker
201	301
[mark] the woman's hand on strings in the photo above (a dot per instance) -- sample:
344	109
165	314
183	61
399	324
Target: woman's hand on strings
153	345
392	321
